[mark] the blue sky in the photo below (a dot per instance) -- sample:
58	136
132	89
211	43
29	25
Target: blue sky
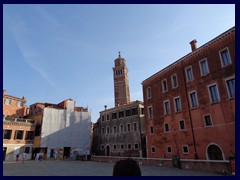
55	52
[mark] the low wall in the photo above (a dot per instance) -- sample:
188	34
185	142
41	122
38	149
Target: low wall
219	167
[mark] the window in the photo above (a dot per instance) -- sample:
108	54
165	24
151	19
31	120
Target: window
136	146
169	149
225	57
149	93
7	101
102	147
134	111
7	134
135	127
174	81
150	113
164	85
128	112
203	67
18	134
122	146
114	115
108	117
29	135
128	127
102	117
27	150
114	129
115	146
166	126
121	114
193	100
103	130
213	93
182	125
153	150
207	120
185	149
189	73
177	103
121	128
129	146
151	130
230	84
108	130
19	104
166	107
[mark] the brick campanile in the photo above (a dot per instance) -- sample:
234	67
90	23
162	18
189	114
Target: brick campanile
121	85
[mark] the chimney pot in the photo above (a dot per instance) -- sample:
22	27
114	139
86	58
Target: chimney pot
105	107
193	44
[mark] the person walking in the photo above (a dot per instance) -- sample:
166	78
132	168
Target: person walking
24	156
17	157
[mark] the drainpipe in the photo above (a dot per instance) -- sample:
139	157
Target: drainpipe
189	112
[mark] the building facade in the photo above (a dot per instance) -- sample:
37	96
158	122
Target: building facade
18	130
61	129
14	106
190	105
120	131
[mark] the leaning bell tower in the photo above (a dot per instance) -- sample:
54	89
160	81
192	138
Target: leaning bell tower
121	85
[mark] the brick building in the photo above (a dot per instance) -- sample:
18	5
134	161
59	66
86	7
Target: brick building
18	130
190	105
14	106
120	131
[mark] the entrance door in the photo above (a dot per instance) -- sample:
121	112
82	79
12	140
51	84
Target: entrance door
66	152
108	151
214	153
4	152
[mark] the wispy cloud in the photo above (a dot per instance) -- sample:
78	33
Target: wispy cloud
31	55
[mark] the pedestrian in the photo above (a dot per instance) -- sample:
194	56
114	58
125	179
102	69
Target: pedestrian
17	157
127	167
24	156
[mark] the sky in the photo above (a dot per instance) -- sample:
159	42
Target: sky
52	52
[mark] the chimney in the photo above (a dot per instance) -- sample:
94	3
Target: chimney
105	107
193	44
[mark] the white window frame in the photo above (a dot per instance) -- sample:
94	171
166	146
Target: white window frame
187	149
114	145
200	66
165	110
103	130
121	128
128	146
190	99
150	115
220	54
128	130
137	145
149	93
114	130
164	90
173	81
228	79
205	120
217	91
135	125
175	105
180	125
186	71
121	145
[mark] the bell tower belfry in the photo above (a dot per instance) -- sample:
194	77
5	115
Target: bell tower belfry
121	85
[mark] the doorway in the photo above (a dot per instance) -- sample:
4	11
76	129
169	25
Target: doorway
108	150
214	153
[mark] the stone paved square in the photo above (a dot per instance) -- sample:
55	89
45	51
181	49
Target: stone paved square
86	168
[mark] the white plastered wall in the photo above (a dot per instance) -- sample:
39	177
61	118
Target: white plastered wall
66	128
